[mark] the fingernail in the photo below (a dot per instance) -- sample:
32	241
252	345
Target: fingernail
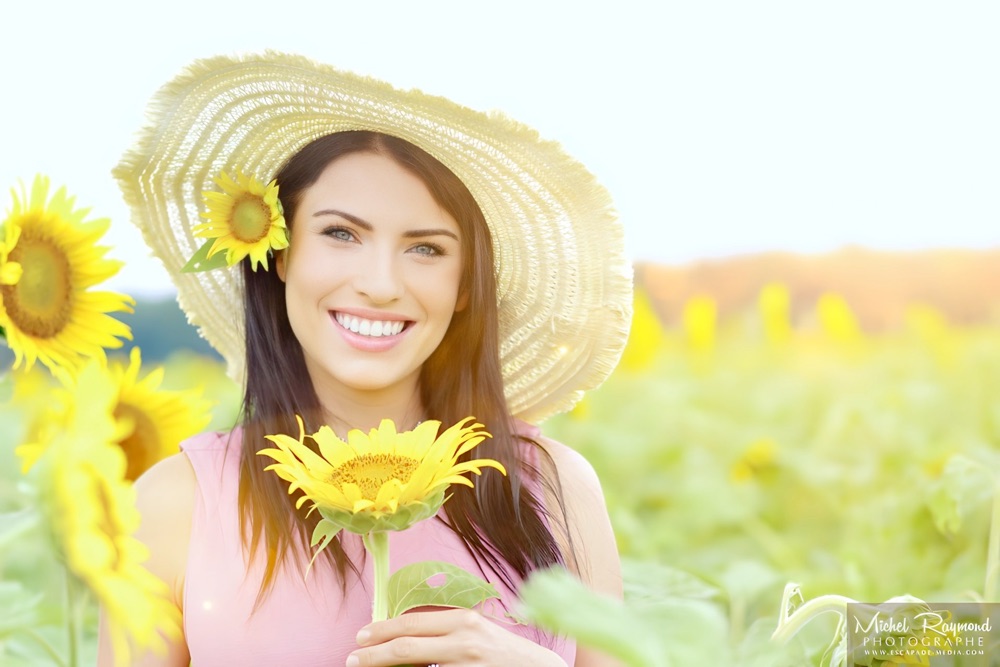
352	661
363	636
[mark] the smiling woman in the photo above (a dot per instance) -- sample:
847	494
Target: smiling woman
440	263
373	249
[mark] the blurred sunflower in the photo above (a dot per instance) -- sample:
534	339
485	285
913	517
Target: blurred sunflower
156	420
244	219
48	261
90	509
151	422
383	480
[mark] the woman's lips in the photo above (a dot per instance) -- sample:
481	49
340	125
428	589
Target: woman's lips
369	327
370	335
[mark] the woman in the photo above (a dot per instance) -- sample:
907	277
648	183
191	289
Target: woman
440	263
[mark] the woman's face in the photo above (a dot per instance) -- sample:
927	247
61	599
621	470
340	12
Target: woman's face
371	277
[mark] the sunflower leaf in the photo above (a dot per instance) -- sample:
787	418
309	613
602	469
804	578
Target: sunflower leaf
20	607
322	534
15	525
556	601
200	261
325	531
409	587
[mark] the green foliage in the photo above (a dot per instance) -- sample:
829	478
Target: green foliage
855	469
558	602
410	587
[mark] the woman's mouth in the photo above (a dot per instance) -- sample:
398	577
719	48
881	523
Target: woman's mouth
371	328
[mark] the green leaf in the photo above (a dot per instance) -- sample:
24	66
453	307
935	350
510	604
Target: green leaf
19	607
964	484
322	534
201	262
556	601
408	587
650	583
13	525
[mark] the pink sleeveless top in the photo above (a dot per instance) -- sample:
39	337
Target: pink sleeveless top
303	623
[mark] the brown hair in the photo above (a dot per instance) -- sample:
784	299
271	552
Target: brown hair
500	521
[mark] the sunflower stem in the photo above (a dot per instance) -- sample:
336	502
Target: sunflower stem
72	619
377	544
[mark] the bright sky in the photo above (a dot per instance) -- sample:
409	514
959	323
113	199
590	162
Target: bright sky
718	127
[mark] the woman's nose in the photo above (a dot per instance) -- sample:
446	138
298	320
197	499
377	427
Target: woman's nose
379	277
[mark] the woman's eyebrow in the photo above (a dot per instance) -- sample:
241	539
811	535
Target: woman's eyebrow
415	233
364	224
346	216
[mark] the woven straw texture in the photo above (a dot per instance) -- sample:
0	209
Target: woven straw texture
564	284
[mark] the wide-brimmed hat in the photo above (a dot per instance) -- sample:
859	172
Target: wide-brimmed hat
564	284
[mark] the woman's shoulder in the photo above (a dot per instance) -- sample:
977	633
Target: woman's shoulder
586	515
209	441
569	465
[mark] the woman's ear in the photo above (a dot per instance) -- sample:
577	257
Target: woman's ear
280	258
463	301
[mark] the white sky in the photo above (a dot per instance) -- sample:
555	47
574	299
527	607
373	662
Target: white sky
718	127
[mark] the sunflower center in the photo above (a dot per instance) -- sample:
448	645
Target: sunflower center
40	304
142	445
251	219
371	471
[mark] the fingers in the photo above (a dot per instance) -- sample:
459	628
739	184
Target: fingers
420	624
404	651
442	637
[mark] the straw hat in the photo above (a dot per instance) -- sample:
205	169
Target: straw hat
564	284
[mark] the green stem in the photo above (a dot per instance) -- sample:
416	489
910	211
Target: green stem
41	641
72	620
377	544
993	549
790	624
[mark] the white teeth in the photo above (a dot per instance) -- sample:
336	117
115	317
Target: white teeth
373	328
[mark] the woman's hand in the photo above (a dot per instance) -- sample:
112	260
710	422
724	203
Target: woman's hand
449	638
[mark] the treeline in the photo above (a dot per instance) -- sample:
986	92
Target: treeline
964	285
159	327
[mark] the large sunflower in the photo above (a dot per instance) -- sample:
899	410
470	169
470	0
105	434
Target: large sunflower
151	422
48	262
156	420
244	219
90	509
383	480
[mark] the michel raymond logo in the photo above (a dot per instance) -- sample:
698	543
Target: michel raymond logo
959	634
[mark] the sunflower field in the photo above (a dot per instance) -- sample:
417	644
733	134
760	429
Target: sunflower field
759	473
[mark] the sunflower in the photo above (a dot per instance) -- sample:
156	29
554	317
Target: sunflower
156	420
151	422
48	260
90	510
244	219
381	481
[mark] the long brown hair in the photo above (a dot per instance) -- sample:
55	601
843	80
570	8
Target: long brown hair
503	524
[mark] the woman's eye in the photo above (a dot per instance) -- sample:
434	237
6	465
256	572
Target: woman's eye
428	249
339	233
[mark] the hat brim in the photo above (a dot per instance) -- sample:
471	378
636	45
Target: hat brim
564	284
